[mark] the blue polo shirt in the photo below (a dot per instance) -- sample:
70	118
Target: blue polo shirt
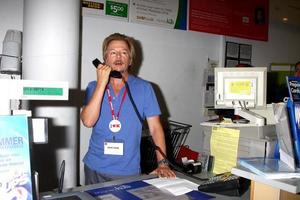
130	133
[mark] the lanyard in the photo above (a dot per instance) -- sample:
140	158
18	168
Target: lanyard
111	105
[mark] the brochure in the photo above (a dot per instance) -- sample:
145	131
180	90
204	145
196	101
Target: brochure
159	188
15	170
293	84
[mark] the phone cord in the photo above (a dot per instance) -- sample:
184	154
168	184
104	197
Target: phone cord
133	103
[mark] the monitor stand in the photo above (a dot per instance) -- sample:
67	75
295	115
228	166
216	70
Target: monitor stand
253	117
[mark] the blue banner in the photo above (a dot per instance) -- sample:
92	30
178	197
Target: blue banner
15	169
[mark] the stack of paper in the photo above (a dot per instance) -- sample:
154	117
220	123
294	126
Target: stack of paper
269	168
176	186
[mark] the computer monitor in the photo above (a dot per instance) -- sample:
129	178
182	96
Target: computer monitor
237	87
241	88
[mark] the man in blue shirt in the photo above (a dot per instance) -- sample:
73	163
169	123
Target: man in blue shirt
114	149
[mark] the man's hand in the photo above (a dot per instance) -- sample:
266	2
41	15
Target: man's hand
103	72
164	171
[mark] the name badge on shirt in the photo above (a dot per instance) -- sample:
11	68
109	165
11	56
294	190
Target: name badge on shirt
114	148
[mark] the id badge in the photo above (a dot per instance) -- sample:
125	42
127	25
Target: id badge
114	148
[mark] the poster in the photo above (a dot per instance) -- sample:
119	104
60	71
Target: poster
165	13
117	9
238	55
15	169
245	19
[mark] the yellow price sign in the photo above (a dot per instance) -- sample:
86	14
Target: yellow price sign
240	87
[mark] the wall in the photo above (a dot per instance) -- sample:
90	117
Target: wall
282	46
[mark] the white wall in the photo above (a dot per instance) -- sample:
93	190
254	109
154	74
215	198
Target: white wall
282	46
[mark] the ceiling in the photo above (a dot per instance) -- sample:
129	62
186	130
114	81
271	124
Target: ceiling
289	9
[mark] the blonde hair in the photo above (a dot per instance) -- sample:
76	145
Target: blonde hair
122	37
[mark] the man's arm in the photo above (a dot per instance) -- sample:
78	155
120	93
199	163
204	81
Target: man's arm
90	113
158	136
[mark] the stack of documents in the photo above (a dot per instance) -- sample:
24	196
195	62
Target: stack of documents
176	186
269	168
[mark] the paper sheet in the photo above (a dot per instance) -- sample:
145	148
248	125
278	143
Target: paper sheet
176	186
224	146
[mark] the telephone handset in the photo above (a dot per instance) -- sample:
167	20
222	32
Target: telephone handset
113	73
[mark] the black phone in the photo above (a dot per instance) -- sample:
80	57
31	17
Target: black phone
114	73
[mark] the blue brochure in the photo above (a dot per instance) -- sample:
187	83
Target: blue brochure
293	107
294	115
138	190
293	84
15	170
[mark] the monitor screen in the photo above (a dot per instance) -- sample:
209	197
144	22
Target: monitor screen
240	87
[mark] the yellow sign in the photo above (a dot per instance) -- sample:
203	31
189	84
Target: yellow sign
224	147
240	87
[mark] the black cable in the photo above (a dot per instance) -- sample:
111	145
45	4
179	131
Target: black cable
133	103
61	177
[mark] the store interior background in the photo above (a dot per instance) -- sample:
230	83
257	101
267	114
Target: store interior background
173	60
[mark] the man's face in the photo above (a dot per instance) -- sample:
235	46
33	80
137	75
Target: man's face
297	70
118	55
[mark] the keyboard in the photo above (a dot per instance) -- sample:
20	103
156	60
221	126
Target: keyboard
227	184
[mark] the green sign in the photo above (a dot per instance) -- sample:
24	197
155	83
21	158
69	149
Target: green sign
116	9
42	91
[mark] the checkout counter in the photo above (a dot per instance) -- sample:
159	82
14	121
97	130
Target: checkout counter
79	193
84	192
